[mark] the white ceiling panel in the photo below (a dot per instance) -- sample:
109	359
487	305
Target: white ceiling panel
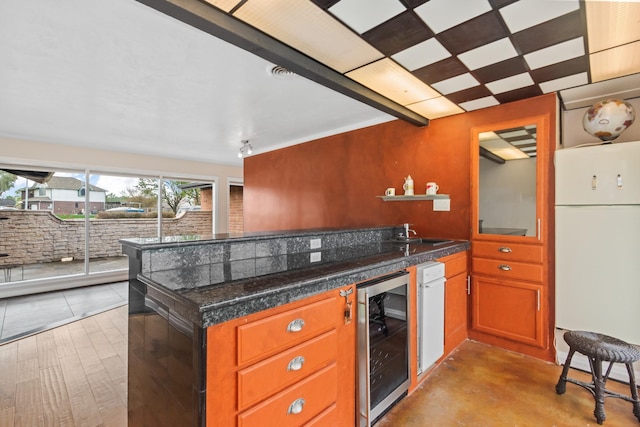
362	15
437	14
564	83
422	54
488	54
557	53
476	104
527	13
455	84
510	83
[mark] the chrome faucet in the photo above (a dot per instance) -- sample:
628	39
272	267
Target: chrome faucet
407	230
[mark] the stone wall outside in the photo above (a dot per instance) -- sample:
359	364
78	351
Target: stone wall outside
31	237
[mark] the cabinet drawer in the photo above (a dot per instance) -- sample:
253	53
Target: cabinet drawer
507	269
275	373
313	395
507	251
455	264
327	418
276	333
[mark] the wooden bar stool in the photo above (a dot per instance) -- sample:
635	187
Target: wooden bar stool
601	348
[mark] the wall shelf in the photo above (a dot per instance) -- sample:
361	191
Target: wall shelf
416	197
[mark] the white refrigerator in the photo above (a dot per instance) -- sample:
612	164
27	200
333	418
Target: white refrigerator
598	239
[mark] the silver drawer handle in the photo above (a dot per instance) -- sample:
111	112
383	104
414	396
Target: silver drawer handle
504	249
296	407
295	325
295	364
504	267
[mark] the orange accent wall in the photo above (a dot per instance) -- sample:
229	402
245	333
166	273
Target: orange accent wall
334	181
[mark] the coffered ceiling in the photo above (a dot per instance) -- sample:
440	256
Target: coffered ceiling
436	58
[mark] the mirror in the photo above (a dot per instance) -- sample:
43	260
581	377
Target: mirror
505	190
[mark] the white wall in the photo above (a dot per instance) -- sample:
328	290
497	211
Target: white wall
24	153
508	194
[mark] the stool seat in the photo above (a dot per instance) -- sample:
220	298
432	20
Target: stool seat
603	347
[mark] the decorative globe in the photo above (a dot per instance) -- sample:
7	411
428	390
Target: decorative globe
608	119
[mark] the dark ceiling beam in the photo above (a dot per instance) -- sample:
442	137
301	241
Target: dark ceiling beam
227	28
490	156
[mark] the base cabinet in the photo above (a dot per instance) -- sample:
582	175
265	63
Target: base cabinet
456	301
508	309
509	301
284	366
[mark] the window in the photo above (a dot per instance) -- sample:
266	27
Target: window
86	234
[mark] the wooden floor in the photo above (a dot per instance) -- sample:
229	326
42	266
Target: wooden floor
74	375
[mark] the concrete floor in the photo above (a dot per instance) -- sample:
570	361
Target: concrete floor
483	386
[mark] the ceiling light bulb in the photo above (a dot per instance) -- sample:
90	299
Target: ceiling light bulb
249	149
240	154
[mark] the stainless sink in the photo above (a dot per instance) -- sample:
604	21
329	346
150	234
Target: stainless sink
422	240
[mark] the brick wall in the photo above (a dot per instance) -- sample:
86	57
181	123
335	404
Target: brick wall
206	199
31	237
236	218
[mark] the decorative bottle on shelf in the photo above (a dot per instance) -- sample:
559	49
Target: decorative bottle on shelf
408	186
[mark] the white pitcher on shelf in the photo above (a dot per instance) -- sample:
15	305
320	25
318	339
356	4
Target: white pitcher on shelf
408	186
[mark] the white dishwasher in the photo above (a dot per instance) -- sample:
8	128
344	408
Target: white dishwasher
430	297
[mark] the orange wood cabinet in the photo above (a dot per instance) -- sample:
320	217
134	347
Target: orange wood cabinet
512	275
456	301
293	365
508	294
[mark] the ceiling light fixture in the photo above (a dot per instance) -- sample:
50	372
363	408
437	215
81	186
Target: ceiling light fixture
246	149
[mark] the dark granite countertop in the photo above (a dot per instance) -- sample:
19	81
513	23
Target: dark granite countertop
196	239
217	292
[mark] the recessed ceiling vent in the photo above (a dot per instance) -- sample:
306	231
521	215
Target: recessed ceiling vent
282	73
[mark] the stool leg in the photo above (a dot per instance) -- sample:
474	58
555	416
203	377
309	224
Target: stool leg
596	369
634	390
561	387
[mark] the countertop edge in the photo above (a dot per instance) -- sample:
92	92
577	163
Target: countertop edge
206	315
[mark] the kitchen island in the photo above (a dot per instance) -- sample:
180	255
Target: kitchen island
202	315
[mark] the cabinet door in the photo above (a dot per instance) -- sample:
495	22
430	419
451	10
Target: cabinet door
455	312
456	297
508	309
